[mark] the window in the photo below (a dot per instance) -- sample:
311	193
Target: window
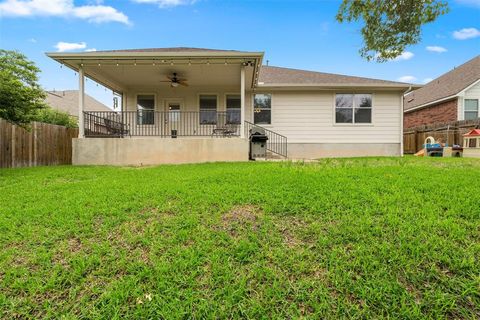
471	109
353	108
208	109
262	109
472	142
146	109
233	108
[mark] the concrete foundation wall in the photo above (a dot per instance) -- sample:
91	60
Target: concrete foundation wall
330	150
471	152
152	151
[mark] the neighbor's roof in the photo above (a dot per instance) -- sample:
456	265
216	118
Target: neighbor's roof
447	85
277	76
67	101
473	133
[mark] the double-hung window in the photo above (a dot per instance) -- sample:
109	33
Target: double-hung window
146	109
353	108
208	109
233	108
262	109
471	109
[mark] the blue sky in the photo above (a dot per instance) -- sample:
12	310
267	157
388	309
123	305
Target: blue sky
293	33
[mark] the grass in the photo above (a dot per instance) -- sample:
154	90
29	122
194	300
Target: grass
352	238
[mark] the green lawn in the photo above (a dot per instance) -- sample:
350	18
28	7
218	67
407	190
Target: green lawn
364	238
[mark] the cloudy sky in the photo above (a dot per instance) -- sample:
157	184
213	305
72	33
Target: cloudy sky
293	33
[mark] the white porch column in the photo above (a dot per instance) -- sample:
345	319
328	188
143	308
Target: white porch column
242	102
81	102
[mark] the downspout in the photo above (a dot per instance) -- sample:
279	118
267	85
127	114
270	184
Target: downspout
401	119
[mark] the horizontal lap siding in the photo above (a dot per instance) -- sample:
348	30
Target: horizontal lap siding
308	117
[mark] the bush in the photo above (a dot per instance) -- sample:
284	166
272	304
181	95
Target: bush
52	116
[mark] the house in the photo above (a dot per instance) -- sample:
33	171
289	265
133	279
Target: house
453	96
67	101
183	105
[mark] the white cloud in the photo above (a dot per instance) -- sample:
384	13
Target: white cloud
70	46
407	79
91	50
406	55
466	33
32	40
436	49
427	80
167	3
61	8
471	3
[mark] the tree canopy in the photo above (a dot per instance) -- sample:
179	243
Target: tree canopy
22	100
389	26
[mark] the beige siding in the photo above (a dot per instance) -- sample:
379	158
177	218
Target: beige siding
471	93
189	96
308	117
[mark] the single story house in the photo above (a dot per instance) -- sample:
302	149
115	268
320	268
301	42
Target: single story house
67	101
453	96
184	105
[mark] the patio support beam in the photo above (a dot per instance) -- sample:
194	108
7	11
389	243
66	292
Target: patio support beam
242	102
81	102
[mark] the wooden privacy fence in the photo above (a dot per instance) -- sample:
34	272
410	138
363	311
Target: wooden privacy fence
450	133
43	145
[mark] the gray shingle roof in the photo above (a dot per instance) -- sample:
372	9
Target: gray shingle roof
447	85
67	101
278	75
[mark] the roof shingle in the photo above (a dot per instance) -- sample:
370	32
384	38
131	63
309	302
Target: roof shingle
278	75
446	85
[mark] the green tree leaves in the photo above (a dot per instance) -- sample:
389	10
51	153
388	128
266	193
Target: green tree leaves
390	25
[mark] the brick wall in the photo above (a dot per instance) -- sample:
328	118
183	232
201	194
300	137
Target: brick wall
441	112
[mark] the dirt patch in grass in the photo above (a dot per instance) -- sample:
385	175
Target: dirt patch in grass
244	217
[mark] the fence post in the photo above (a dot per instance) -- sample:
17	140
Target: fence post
35	152
13	146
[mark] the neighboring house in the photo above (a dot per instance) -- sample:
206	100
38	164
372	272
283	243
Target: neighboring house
67	101
451	97
209	99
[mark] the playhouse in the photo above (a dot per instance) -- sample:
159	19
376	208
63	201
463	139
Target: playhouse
471	144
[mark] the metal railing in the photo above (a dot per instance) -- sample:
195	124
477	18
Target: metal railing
162	124
276	143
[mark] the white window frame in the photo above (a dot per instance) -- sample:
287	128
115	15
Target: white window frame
465	107
154	107
340	124
200	110
225	101
271	109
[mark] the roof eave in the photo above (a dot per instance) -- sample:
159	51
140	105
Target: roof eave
110	55
337	85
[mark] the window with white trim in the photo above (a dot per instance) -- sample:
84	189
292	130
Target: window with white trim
262	109
471	109
233	102
146	109
208	109
353	108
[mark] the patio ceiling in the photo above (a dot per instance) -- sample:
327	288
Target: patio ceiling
120	71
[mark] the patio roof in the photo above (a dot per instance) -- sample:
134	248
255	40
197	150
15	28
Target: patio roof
123	69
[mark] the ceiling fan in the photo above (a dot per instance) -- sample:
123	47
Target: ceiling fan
175	81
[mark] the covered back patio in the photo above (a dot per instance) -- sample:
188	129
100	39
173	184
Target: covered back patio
181	93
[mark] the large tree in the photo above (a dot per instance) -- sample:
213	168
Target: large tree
389	26
21	97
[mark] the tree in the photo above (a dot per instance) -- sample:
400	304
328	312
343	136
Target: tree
390	25
21	97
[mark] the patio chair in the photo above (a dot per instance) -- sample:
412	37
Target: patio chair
116	128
